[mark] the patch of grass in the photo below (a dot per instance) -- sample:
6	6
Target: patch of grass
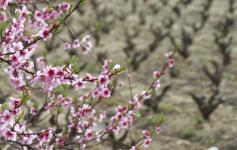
155	120
198	120
187	133
165	107
211	141
92	67
111	102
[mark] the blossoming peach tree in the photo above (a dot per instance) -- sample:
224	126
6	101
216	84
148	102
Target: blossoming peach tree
22	26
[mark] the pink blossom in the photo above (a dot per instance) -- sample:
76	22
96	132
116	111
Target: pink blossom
158	130
89	77
146	133
67	46
19	128
64	6
45	34
60	140
106	92
6	117
86	44
4	3
88	134
171	62
38	15
76	44
45	136
156	74
102	116
85	110
49	106
103	79
63	101
146	95
95	93
79	84
52	77
15	77
156	84
23	12
147	142
169	55
147	138
9	135
28	139
14	103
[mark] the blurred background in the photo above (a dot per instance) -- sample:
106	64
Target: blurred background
196	105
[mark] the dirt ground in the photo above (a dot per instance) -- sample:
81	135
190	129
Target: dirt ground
184	128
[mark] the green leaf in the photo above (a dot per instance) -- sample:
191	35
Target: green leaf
3	26
73	61
25	98
64	89
20	117
120	70
4	105
138	114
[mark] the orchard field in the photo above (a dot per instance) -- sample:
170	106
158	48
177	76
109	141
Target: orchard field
195	106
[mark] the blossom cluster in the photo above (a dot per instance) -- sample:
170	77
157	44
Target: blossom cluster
85	45
20	116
